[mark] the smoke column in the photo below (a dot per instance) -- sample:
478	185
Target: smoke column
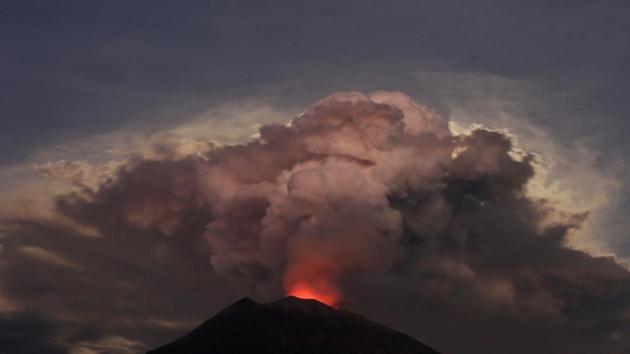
371	198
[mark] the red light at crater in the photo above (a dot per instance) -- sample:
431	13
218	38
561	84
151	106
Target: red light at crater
303	291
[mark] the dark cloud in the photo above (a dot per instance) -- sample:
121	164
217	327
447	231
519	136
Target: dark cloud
27	333
366	200
131	289
164	60
153	195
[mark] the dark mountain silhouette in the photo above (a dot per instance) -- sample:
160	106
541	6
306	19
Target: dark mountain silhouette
291	325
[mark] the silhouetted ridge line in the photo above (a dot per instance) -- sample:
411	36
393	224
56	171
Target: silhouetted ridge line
291	325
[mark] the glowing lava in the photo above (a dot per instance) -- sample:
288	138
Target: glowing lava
303	291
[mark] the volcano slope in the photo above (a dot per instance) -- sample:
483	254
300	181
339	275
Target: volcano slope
291	325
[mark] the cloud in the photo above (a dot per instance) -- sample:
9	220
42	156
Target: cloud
574	173
127	283
368	200
107	345
82	166
120	266
49	257
26	333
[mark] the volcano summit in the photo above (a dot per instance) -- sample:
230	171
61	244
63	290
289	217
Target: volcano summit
291	325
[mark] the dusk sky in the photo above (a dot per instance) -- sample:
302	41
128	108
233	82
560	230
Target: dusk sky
452	169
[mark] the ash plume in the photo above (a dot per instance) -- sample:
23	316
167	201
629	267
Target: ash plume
368	199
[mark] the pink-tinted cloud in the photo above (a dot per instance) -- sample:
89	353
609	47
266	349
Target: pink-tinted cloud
371	202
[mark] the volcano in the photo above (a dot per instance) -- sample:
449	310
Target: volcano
291	325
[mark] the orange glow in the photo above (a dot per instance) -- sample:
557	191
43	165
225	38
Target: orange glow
303	291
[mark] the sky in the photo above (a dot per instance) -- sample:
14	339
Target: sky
123	190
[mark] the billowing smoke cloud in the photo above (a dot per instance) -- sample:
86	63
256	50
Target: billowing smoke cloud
370	201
